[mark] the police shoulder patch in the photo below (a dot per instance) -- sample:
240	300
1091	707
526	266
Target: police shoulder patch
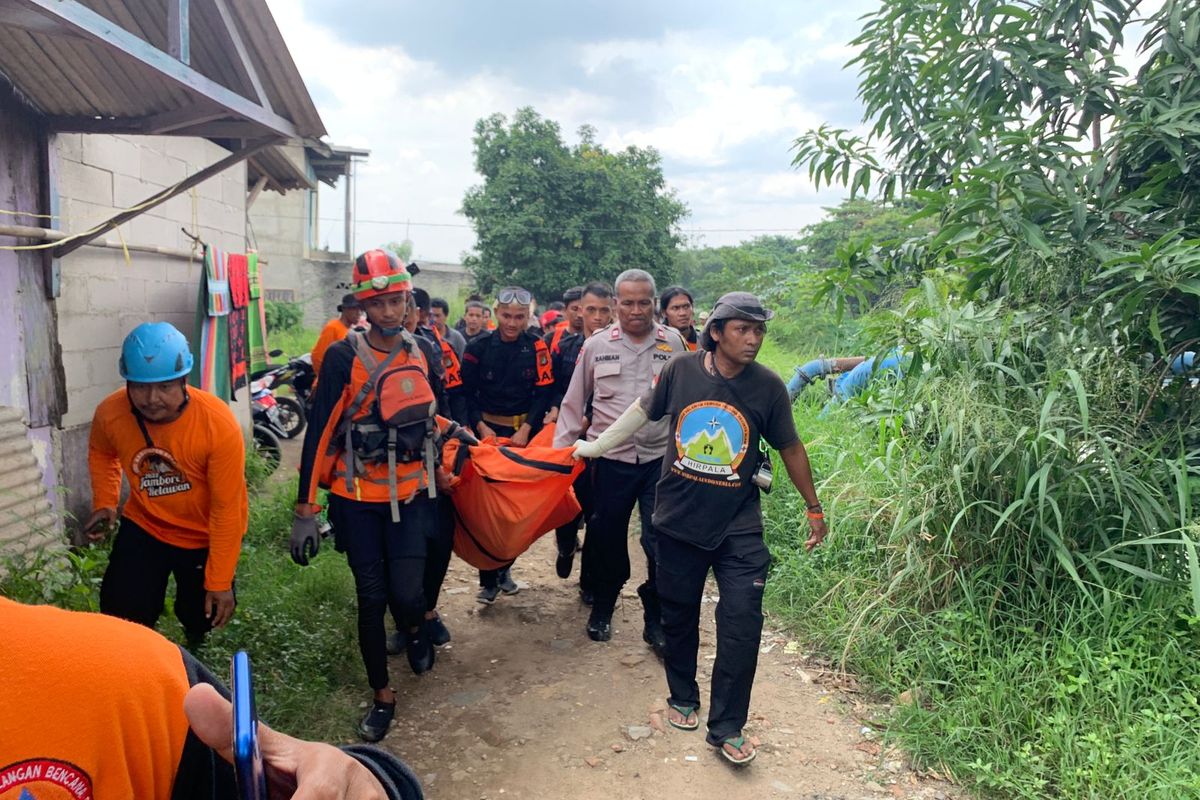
615	333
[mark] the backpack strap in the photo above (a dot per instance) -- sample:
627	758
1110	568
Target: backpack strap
363	351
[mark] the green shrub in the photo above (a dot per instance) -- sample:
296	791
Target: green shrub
1011	538
282	316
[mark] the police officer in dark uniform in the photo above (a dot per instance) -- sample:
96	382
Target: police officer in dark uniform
508	382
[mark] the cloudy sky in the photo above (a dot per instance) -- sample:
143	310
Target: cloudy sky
720	90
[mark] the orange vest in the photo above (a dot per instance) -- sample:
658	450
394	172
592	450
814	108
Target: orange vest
450	362
556	339
369	481
545	372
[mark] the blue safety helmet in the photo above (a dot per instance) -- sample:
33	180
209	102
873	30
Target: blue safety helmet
154	352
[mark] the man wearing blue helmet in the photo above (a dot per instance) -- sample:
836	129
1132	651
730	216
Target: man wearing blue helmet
182	452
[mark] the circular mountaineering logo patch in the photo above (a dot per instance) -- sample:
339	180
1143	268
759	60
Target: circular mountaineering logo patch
44	779
711	440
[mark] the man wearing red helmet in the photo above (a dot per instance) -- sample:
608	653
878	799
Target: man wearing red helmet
372	440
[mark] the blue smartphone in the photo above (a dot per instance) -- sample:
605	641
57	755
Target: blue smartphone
247	758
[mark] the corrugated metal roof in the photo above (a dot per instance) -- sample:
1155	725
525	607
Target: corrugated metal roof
27	520
81	78
282	172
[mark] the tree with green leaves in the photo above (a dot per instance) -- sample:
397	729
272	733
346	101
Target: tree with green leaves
549	216
402	250
1052	173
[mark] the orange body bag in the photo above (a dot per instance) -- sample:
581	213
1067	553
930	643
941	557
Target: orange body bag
509	496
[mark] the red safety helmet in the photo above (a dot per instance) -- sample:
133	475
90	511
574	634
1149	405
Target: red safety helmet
549	319
379	272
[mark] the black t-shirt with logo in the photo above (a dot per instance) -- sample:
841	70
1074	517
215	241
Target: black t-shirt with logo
705	492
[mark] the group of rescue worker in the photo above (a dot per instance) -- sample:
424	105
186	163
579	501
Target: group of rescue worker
666	417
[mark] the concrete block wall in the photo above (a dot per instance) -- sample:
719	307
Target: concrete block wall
104	296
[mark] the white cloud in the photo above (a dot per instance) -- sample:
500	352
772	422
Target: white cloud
716	97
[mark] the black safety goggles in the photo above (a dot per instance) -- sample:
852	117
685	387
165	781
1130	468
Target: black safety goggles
519	296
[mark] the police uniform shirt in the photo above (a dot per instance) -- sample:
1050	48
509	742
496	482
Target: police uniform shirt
615	371
504	378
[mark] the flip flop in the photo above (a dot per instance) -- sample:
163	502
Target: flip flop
685	712
737	742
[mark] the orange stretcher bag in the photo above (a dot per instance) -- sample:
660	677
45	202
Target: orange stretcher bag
508	497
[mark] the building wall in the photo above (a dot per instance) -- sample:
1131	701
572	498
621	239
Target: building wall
104	295
444	280
279	231
30	382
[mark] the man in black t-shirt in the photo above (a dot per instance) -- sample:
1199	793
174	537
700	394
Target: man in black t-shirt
720	403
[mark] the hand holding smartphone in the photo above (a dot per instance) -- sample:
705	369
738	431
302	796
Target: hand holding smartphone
247	758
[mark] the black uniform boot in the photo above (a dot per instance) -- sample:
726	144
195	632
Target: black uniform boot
652	631
599	627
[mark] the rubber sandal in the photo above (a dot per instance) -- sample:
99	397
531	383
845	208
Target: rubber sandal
738	742
685	712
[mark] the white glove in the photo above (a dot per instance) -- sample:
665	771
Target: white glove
630	422
586	450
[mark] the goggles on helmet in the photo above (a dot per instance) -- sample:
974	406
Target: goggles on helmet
519	296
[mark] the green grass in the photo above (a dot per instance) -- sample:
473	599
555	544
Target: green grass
297	623
1032	684
293	341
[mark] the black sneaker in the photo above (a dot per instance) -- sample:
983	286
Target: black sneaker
395	643
564	562
506	582
599	627
375	724
421	654
654	636
487	595
437	632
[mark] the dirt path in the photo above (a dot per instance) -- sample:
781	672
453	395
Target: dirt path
523	705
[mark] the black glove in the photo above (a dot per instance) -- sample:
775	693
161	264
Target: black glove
306	539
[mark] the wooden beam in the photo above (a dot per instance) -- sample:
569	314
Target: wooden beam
242	53
171	121
79	240
80	20
265	173
256	191
179	36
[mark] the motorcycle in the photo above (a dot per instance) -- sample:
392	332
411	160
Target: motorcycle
297	373
269	422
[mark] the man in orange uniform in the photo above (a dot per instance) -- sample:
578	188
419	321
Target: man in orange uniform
129	735
349	314
183	454
378	471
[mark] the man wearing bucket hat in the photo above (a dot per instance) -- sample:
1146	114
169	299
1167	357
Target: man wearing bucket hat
721	404
349	315
181	451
